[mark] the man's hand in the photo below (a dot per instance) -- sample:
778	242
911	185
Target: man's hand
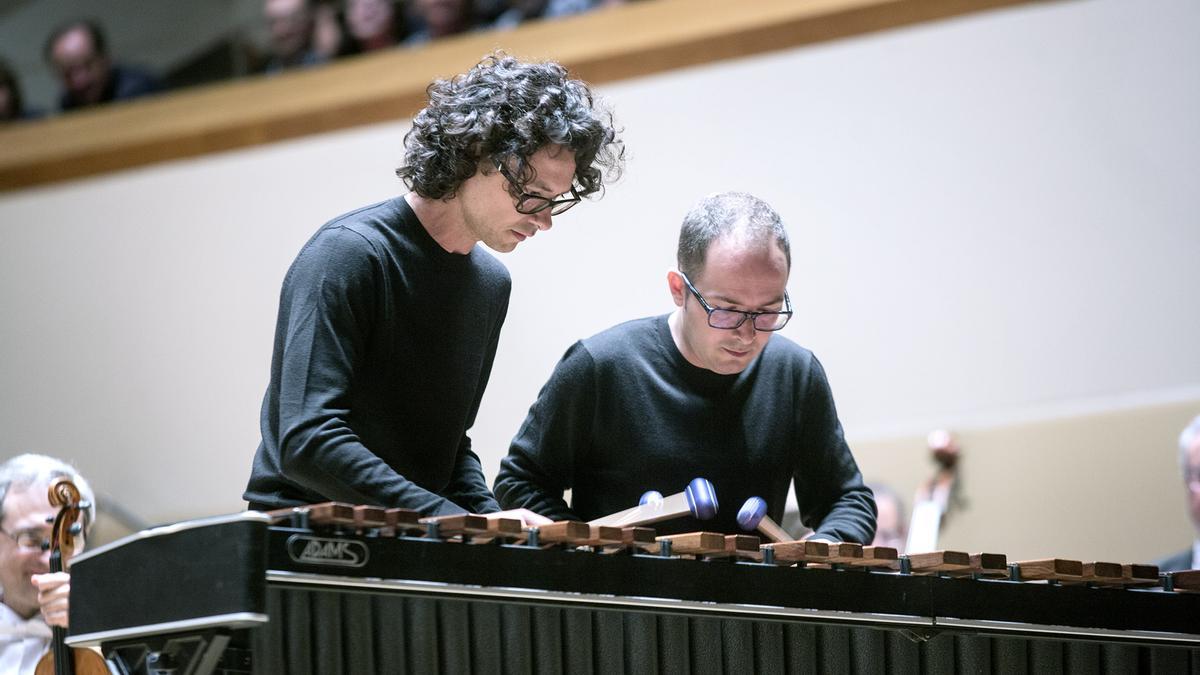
527	517
54	591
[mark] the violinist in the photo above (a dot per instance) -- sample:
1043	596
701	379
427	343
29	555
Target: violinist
33	599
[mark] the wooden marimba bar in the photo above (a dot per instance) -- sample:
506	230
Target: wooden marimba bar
333	588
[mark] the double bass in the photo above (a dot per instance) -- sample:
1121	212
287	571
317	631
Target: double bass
61	659
936	496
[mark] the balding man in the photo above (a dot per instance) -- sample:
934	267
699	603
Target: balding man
708	390
78	52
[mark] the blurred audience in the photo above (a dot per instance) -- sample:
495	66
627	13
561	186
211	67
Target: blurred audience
292	26
329	38
520	11
373	24
1189	465
301	33
435	19
78	51
11	106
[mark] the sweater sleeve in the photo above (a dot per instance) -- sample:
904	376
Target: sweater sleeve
542	459
832	498
329	296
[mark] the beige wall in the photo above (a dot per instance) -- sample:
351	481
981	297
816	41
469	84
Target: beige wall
1103	485
994	229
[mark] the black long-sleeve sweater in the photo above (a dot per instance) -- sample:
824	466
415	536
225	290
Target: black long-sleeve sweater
383	347
625	412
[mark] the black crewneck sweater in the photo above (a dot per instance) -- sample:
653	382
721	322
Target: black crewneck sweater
625	412
383	348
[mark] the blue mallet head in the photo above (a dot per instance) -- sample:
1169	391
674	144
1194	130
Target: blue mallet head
752	513
650	497
701	498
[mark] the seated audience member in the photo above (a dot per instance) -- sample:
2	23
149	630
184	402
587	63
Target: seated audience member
78	51
329	37
706	391
520	11
373	24
12	105
291	24
1189	464
891	525
435	19
33	598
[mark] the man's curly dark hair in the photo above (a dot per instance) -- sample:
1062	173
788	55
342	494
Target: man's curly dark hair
505	110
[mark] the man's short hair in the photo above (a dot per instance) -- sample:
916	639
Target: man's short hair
723	213
99	43
1186	438
29	470
505	110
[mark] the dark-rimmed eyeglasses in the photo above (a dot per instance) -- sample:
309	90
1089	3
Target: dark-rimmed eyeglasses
29	540
729	319
530	204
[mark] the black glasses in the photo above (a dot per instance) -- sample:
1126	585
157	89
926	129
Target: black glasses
30	540
530	204
729	319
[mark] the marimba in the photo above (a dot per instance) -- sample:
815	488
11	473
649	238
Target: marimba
338	589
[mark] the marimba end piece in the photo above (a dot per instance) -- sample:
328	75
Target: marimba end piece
1103	573
989	564
1187	580
639	537
571	532
1050	569
880	557
786	552
1136	574
937	562
508	529
695	543
369	517
844	552
466	525
604	535
745	546
402	520
336	514
816	549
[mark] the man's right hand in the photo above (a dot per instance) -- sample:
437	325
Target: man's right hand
54	593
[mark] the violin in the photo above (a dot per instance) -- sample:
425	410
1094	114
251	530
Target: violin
61	659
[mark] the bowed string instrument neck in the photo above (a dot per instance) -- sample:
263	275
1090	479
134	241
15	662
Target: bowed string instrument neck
69	523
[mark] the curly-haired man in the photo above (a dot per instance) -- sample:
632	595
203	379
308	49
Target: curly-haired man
390	315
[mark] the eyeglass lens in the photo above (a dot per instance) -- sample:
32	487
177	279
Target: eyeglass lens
727	318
